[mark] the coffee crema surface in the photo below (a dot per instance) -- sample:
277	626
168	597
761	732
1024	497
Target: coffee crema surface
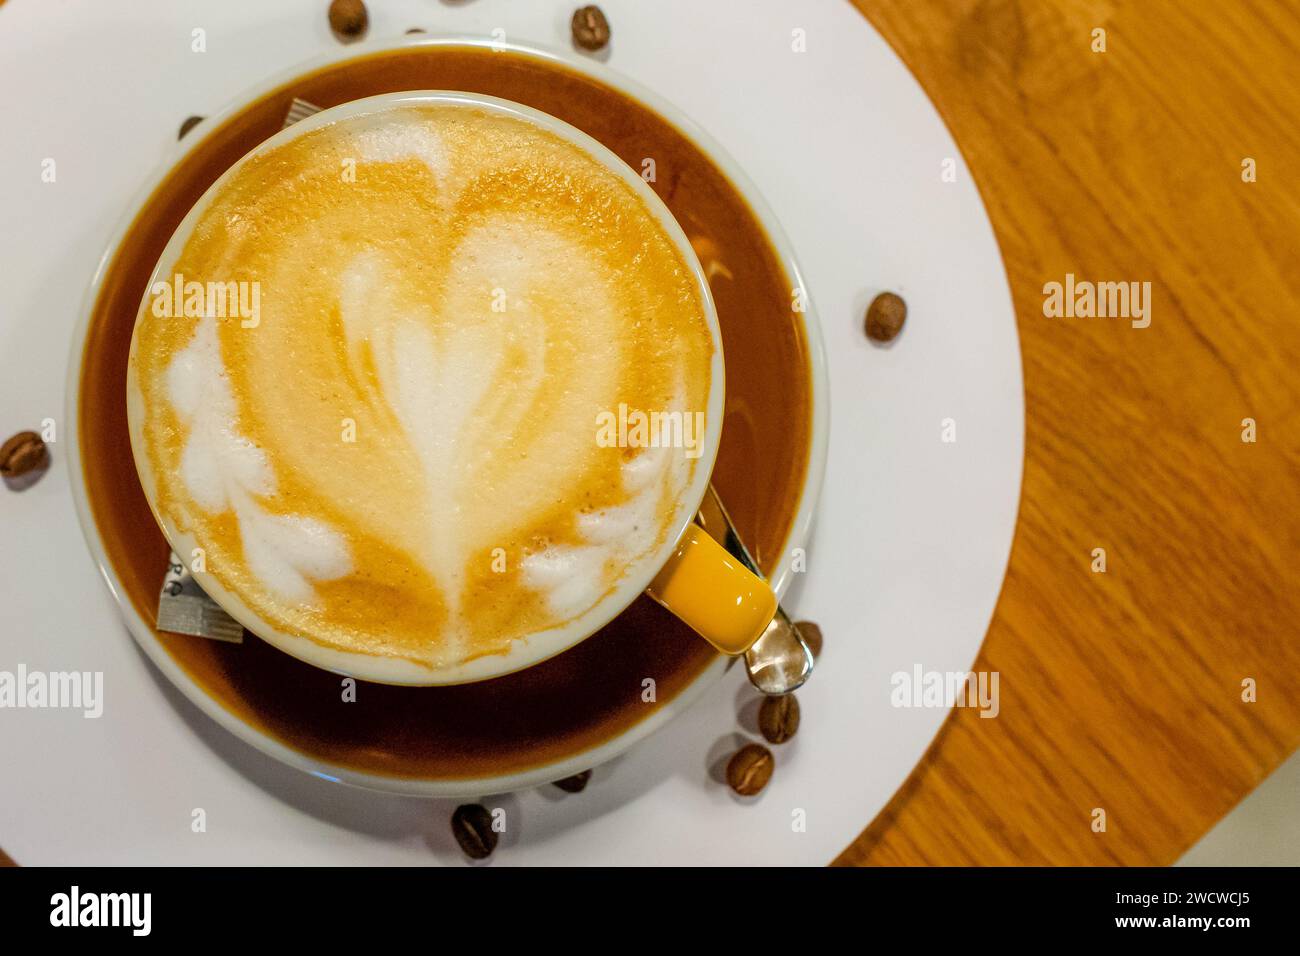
385	436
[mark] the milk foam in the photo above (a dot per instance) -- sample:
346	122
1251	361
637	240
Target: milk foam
570	576
470	304
224	471
385	142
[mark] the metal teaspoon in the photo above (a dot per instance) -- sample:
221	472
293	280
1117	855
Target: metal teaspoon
779	661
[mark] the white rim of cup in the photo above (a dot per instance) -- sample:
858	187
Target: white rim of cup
538	646
143	632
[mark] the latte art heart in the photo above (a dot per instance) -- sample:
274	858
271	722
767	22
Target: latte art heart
399	457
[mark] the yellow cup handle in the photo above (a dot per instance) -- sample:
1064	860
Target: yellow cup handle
721	599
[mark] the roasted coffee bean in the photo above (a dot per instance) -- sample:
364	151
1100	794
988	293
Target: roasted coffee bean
750	769
590	28
21	454
348	19
778	718
812	636
189	124
885	317
471	824
575	784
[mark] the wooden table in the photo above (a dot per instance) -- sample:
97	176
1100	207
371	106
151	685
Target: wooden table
1123	690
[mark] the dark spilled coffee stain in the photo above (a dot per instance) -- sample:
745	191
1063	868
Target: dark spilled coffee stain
592	692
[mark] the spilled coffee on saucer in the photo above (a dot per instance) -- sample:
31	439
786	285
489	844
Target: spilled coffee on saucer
386	383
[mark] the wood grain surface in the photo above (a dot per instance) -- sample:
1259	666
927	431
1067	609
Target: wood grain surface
1123	690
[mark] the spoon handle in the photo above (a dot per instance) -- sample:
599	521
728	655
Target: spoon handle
780	660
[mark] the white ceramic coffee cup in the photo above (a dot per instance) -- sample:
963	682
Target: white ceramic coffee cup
637	577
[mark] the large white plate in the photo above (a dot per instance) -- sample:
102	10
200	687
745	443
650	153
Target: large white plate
913	537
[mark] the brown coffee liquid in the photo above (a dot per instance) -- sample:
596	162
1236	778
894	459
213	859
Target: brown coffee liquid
592	692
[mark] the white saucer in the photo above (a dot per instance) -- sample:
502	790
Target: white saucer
910	548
